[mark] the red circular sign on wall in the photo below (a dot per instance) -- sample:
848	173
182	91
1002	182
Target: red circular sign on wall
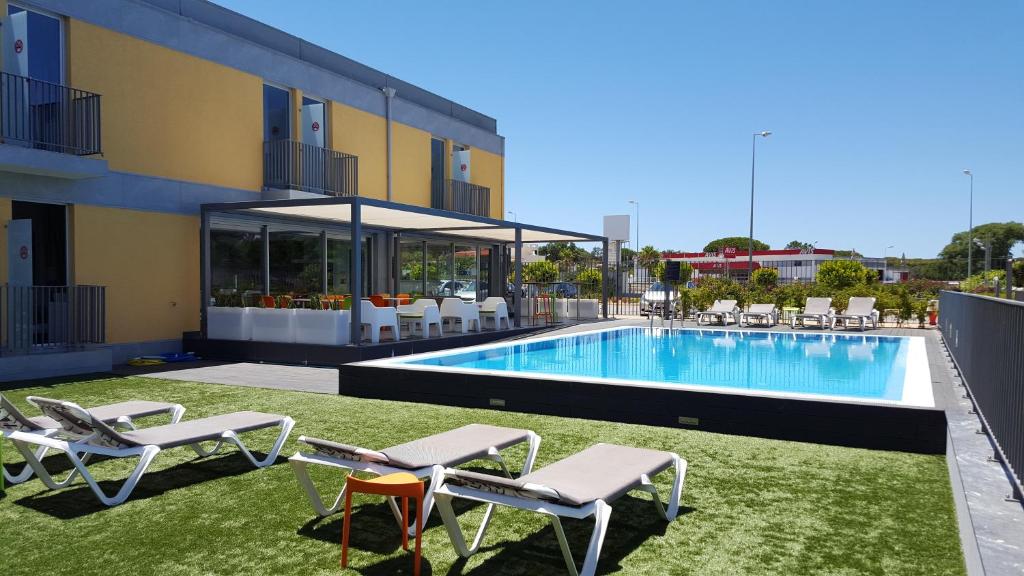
18	46
23	252
316	126
462	167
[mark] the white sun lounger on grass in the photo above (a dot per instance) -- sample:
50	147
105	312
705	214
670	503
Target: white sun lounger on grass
92	436
724	310
817	309
15	423
580	486
424	458
763	313
861	309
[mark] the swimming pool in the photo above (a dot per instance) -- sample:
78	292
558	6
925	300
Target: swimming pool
860	368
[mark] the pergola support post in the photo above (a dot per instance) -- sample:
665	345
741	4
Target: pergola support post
265	257
518	295
356	285
323	262
604	277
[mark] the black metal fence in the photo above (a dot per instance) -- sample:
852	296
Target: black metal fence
459	196
290	164
985	337
49	116
51	318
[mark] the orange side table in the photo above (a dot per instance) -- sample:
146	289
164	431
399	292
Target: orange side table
399	485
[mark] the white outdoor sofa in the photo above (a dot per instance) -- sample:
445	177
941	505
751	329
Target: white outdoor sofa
764	314
465	313
580	486
817	309
424	458
723	310
861	309
92	436
422	314
496	310
376	318
14	424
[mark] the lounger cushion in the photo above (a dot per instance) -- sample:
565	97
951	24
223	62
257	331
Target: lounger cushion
201	430
760	309
109	413
454	447
344	451
601	472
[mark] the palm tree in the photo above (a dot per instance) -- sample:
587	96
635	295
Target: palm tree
648	258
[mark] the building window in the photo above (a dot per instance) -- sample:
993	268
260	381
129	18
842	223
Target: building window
276	113
33	45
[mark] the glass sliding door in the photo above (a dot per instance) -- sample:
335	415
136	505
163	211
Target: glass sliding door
236	255
36	113
339	264
484	286
437	161
276	113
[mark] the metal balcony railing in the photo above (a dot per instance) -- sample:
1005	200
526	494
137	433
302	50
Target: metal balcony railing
49	116
290	164
51	318
459	196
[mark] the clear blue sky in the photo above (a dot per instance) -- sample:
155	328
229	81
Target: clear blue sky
876	107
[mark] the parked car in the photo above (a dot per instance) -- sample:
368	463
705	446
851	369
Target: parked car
559	289
467	291
450	287
653	299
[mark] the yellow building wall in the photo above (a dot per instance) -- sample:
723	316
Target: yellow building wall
410	165
5	215
149	263
169	114
364	135
488	169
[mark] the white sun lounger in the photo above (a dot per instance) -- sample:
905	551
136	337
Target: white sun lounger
579	486
424	458
723	310
817	309
14	422
93	436
860	309
763	313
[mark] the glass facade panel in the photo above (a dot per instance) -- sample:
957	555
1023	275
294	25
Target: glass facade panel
339	265
235	262
439	270
295	263
484	289
410	254
276	113
466	271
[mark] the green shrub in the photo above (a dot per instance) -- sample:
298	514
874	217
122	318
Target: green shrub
839	274
541	271
765	278
590	282
982	283
712	288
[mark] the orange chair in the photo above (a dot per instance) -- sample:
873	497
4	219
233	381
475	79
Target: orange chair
379	300
268	301
403	299
399	485
544	309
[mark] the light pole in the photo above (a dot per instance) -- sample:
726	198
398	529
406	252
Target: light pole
515	217
750	243
637	206
970	220
885	263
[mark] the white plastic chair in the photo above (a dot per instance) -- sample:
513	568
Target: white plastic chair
377	318
422	313
453	309
496	309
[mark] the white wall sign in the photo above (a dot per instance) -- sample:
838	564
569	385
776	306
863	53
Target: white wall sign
616	227
19	252
15	43
460	165
313	127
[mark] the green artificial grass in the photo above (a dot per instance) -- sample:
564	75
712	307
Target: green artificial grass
751	506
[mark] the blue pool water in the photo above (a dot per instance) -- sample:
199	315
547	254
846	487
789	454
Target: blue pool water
840	365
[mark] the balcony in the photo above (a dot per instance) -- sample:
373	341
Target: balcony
463	197
45	116
51	318
293	165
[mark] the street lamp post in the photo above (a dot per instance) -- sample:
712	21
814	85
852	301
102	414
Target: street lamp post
970	220
637	206
750	240
515	217
885	263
